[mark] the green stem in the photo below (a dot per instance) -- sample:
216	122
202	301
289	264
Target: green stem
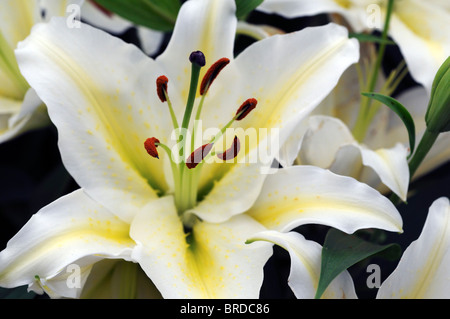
422	150
195	75
424	147
185	200
361	126
172	113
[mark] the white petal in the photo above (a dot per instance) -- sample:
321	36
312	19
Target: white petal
208	26
323	139
31	114
212	262
423	271
17	17
96	17
426	47
151	40
305	194
305	267
328	144
287	86
299	8
72	230
104	108
391	166
234	194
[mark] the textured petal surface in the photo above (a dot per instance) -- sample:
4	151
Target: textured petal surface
213	261
73	229
305	194
103	109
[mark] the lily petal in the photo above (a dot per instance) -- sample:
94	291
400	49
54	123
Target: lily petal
420	28
306	194
103	152
285	95
25	116
17	17
299	8
328	144
423	272
208	26
150	39
305	266
212	262
73	229
234	194
426	47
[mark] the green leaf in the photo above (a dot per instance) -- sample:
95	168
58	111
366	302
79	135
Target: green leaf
362	37
244	7
341	250
154	14
401	111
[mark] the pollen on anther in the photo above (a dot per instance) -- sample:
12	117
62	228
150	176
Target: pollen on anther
150	146
246	108
232	152
212	73
198	155
161	87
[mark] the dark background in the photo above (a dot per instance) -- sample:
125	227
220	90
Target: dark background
32	176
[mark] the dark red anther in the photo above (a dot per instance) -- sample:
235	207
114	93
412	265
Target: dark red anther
150	146
161	87
245	108
198	155
232	152
212	73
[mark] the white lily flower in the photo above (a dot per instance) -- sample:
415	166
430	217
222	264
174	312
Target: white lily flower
92	13
423	270
305	266
21	109
187	233
420	28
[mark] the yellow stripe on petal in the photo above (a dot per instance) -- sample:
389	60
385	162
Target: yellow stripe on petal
69	229
210	261
305	194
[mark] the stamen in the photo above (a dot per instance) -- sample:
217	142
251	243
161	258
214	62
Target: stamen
245	108
198	155
232	152
161	87
150	146
212	73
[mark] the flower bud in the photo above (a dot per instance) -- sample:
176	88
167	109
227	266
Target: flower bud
438	113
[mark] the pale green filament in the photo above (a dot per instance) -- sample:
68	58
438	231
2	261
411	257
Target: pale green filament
366	113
